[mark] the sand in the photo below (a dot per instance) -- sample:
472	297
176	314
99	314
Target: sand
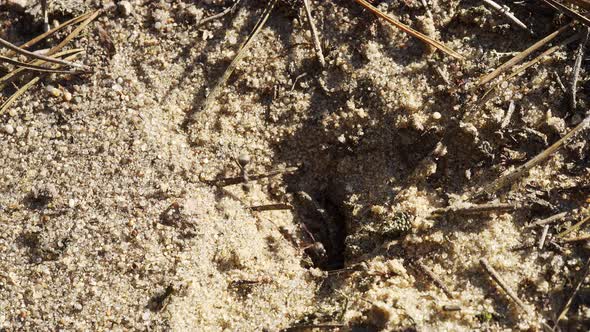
110	218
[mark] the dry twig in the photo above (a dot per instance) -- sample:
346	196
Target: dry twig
505	10
494	274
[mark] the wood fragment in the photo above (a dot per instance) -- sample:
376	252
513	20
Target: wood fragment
240	179
508	116
498	279
227	11
543	237
577	65
568	303
505	10
314	34
424	38
435	279
521	56
522	170
549	220
271	207
467	208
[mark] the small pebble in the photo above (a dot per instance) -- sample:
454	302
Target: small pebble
125	8
244	159
9	129
436	116
67	96
53	91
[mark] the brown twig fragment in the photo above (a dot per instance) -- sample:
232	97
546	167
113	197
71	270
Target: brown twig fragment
543	237
569	301
436	280
496	277
549	220
271	207
504	10
467	208
227	11
520	171
314	33
521	56
424	38
577	65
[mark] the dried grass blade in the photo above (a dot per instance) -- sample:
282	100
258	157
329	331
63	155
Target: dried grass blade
37	68
569	12
26	87
424	38
11	75
520	56
50	32
91	17
241	53
574	227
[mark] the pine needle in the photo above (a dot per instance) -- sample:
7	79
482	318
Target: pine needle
424	38
37	68
239	56
569	12
29	84
520	56
19	50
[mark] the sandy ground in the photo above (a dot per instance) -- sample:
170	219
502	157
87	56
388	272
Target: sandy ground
110	219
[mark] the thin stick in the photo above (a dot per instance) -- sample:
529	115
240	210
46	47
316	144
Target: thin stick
220	15
524	169
49	33
241	53
424	38
490	93
549	220
240	179
435	279
19	50
577	65
568	303
492	272
568	12
37	68
504	10
271	207
576	239
26	87
521	56
314	33
574	227
475	208
543	237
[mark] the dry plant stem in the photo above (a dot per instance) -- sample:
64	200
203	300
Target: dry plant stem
37	68
543	237
494	274
582	238
49	33
16	49
240	179
568	12
547	221
220	15
581	3
506	12
521	171
577	65
410	31
27	86
55	49
271	207
475	209
574	227
314	33
521	56
569	301
241	53
45	16
439	283
491	92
